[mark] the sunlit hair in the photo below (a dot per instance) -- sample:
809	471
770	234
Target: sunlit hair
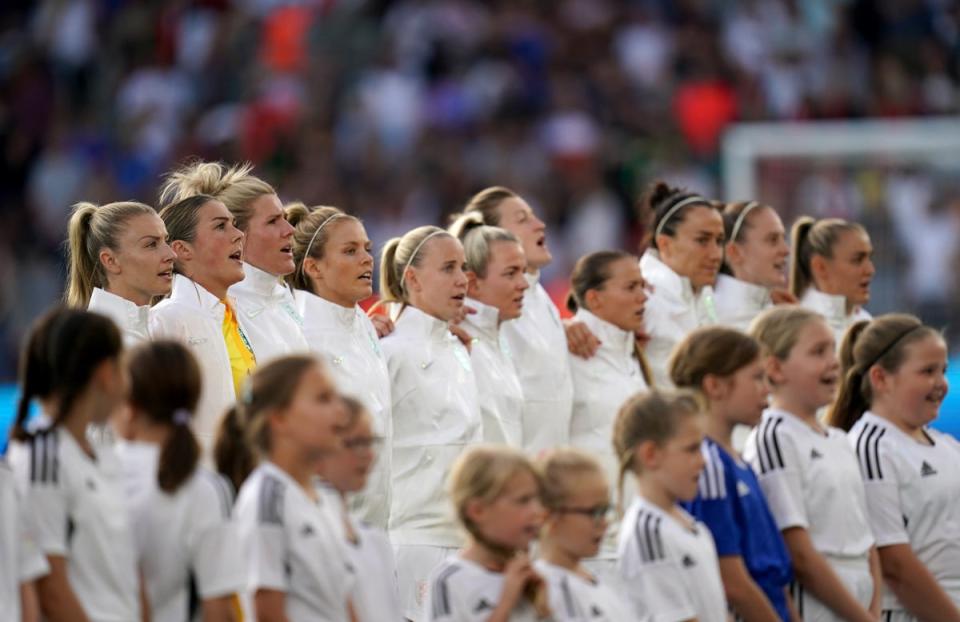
234	186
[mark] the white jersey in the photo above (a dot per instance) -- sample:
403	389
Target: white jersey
132	320
739	302
436	415
376	599
463	591
913	496
268	315
194	316
78	512
601	385
21	560
538	345
834	310
671	571
293	545
501	396
673	310
186	541
811	480
574	598
346	340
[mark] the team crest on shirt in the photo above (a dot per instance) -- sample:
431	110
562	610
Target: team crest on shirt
742	489
926	470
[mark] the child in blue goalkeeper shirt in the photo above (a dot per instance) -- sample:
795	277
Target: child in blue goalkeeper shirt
724	365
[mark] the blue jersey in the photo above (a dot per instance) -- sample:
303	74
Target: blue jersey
730	502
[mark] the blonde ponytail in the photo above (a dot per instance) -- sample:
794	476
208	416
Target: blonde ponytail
401	253
91	229
234	186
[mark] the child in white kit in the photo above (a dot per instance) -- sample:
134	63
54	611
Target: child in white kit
495	493
576	496
668	561
809	473
894	384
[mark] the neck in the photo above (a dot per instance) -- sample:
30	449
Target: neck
656	494
76	422
299	466
119	288
481	554
330	295
553	553
796	407
888	411
720	429
148	432
219	290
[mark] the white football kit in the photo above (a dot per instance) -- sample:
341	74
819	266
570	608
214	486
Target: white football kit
574	598
463	591
268	315
21	560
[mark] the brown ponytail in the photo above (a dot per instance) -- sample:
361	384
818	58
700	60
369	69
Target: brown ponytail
311	231
712	350
165	385
487	203
881	341
808	238
657	205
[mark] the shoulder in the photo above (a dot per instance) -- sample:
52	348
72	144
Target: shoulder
443	582
262	498
647	534
39	458
713	478
772	438
212	491
870	441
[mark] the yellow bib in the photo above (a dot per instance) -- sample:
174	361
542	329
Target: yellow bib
242	360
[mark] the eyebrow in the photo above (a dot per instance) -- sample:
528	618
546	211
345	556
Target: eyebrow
151	237
223	218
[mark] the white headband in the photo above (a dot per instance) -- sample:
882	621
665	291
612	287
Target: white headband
413	255
314	237
740	218
673	210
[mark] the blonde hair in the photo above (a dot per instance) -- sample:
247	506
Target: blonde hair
311	232
487	203
650	416
478	240
810	237
234	186
882	341
181	220
557	468
92	228
401	253
777	329
482	473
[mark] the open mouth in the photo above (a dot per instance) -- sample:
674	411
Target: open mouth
366	277
287	250
236	255
779	266
829	380
518	301
542	241
936	397
459	297
166	274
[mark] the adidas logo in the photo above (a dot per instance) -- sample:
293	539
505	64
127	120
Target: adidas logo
742	489
482	606
595	612
814	454
688	562
91	485
307	530
926	469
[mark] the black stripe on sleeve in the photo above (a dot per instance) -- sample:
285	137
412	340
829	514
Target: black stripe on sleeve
271	501
776	442
568	598
441	592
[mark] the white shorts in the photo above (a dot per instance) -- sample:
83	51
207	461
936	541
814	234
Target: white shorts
854	572
415	563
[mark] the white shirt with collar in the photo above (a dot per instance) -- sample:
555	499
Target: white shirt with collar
501	396
673	311
738	302
436	415
601	384
538	344
834	309
347	341
131	319
268	315
194	316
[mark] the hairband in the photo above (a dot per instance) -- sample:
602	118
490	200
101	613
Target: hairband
890	346
413	255
673	210
181	416
314	237
738	223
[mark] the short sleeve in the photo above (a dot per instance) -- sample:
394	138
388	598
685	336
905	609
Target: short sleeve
444	603
32	563
263	539
774	457
714	504
216	561
885	511
656	589
41	479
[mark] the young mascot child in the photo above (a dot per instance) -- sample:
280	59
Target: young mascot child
496	496
809	473
576	495
345	474
892	389
667	558
725	367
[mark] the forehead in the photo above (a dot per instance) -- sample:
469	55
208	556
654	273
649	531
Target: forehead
852	241
627	268
513	207
506	252
144	224
266	205
931	345
764	220
347	229
701	218
814	330
213	209
442	248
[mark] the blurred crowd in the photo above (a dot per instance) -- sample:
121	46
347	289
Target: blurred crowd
398	111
